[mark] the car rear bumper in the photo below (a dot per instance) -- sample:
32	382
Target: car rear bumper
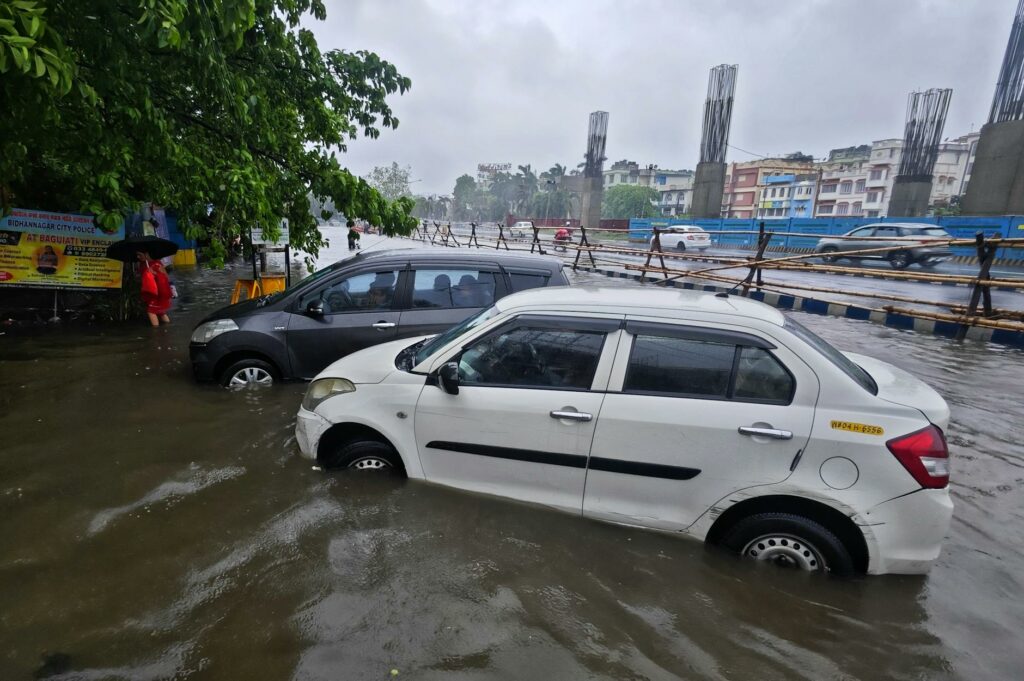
309	428
905	534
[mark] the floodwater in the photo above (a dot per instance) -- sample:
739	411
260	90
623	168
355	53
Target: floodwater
151	528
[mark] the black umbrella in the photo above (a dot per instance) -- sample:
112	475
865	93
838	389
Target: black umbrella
126	249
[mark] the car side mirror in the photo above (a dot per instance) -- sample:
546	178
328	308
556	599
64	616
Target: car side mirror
315	308
448	378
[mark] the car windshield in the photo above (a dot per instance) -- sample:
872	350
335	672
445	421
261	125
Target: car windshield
833	355
305	283
439	341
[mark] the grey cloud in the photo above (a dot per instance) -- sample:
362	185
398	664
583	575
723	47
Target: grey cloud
514	81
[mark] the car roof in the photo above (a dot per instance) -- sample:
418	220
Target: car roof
639	301
437	254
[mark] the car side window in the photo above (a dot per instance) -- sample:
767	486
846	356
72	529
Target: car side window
526	280
357	293
863	231
679	366
706	369
453	288
528	357
887	231
759	376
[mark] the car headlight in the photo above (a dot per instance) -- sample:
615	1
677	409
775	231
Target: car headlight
206	332
323	388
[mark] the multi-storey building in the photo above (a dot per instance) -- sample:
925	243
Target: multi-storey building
745	184
843	188
673	186
788	196
949	176
675	189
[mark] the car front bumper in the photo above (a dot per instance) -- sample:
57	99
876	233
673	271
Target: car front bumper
309	428
905	534
203	361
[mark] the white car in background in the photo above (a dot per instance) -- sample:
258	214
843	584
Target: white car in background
711	416
521	229
683	238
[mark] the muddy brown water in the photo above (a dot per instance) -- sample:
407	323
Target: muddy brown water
151	528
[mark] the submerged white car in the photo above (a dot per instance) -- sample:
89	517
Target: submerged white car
708	415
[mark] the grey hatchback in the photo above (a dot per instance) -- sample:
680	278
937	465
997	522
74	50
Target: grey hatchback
898	236
361	301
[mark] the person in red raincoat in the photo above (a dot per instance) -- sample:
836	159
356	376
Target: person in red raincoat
156	289
562	237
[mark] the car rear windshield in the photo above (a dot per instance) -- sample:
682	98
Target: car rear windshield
845	364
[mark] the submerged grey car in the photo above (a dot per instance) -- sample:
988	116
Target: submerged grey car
355	303
900	236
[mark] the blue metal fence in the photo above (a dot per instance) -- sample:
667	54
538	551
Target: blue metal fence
961	227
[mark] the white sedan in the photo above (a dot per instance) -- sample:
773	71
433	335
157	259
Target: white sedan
707	415
683	238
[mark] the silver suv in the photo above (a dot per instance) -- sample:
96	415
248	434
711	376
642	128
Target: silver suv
898	235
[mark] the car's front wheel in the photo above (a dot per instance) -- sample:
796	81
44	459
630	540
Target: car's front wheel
247	373
790	541
366	455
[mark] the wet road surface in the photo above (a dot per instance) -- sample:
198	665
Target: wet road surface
152	528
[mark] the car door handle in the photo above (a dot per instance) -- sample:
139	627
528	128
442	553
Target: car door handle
380	326
766	432
571	415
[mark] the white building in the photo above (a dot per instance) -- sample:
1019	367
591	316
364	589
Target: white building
949	176
674	187
843	190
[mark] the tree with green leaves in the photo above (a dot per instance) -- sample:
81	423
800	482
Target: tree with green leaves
628	201
226	111
391	181
464	197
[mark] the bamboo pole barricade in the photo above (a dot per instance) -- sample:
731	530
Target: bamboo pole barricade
976	311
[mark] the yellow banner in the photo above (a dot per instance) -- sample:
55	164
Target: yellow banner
57	250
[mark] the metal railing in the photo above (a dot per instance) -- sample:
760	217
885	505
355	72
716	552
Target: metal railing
976	311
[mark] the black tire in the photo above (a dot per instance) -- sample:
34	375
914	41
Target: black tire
680	246
900	260
262	373
366	456
809	543
828	254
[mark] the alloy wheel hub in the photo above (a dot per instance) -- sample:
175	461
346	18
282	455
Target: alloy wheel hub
250	376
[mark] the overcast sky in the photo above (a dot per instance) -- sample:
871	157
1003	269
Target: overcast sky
515	81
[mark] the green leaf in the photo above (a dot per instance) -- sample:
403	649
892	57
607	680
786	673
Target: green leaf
19	58
40	66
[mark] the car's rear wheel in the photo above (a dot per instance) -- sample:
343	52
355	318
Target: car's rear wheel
900	260
789	541
680	246
828	254
366	455
248	373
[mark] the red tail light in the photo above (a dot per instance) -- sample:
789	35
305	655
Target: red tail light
925	456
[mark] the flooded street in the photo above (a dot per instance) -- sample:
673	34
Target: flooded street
153	528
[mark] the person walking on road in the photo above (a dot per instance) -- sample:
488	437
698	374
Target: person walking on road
353	236
156	289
